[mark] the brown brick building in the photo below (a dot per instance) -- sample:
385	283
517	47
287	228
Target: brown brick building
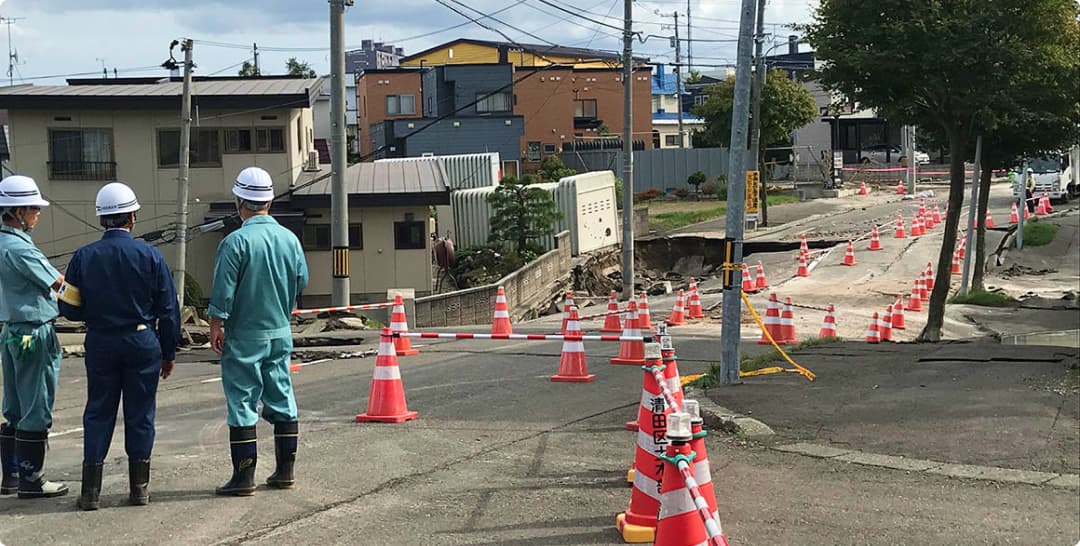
393	93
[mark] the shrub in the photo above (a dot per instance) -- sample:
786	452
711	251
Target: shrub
709	188
1038	233
682	193
647	195
696	180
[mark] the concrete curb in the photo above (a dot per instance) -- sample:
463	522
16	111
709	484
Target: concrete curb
717	417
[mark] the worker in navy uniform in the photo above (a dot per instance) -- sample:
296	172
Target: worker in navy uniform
122	289
30	351
260	269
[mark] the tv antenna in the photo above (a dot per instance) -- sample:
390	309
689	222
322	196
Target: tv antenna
13	56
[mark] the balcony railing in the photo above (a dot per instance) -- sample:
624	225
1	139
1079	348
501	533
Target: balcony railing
82	170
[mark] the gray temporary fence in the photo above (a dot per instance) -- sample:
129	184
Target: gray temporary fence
662	169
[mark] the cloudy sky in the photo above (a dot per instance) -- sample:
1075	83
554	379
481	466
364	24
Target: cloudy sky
64	37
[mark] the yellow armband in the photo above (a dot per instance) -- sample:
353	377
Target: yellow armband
69	294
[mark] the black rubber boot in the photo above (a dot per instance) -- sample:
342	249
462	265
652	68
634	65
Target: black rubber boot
90	498
139	481
30	448
285	439
245	454
9	463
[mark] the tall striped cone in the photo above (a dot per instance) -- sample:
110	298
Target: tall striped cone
803	271
936	216
875	240
922	207
572	365
804	249
671	377
678	313
747	282
898	322
924	293
612	323
1049	206
916	227
772	322
885	329
787	323
386	400
1027	212
915	301
873	334
644	320
828	325
1040	206
929	276
1014	216
963	246
900	190
500	322
631	353
990	220
928	221
694	310
568	302
760	282
862	189
955	263
849	256
638	523
702	473
900	234
679	522
399	325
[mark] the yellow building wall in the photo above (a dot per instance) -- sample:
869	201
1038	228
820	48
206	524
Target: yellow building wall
467	53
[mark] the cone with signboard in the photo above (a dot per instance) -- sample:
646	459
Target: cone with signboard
638	523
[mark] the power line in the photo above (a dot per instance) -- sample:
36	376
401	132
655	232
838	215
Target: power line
579	15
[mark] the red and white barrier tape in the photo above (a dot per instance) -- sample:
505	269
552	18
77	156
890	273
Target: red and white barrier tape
345	308
712	527
527	337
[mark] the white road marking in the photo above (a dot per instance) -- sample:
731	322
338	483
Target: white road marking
211	380
66	432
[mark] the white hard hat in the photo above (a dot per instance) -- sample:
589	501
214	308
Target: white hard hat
20	191
254	184
116	198
1030	170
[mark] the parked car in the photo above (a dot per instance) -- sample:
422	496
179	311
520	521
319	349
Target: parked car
890	153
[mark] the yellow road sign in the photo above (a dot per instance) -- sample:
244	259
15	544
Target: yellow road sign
753	192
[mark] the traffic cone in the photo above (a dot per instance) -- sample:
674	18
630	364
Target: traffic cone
772	322
1049	206
631	352
386	400
572	365
885	328
928	221
644	320
875	240
678	522
612	322
694	310
294	367
924	294
898	322
787	324
929	276
803	271
1040	207
1014	216
804	250
955	263
915	301
873	334
963	246
399	325
849	256
568	302
828	326
922	207
900	234
862	189
916	229
638	523
678	313
671	378
500	323
747	282
1027	213
760	282
702	472
937	214
900	190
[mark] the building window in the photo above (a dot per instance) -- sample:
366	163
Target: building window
671	140
299	136
497	102
236	141
205	148
585	109
81	154
700	99
656	103
400	105
409	235
269	139
317	237
533	151
549	149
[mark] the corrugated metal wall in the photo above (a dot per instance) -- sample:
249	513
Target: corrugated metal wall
661	169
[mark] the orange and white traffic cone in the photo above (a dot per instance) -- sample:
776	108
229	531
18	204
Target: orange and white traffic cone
862	189
900	190
900	234
928	221
955	270
929	276
702	472
694	310
678	313
828	326
386	400
787	323
747	282
568	302
898	322
644	320
916	227
885	328
922	207
631	353
1014	216
849	256
671	378
1027	212
638	523
760	282
772	322
915	301
873	334
1040	206
500	322
804	249
612	322
572	365
679	523
963	246
937	214
399	325
989	222
875	240
803	271
924	293
1049	206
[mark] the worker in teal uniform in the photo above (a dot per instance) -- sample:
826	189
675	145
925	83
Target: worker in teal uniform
122	289
30	351
259	271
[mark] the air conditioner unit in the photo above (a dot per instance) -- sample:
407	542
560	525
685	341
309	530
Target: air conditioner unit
312	163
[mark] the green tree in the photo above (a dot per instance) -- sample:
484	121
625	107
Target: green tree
693	76
937	65
294	67
696	179
248	70
521	214
552	169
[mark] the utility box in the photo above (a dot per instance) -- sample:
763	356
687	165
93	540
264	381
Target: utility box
465	171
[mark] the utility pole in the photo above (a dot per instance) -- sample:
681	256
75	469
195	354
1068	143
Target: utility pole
255	53
971	212
339	199
182	175
678	81
755	93
13	56
730	333
628	151
689	42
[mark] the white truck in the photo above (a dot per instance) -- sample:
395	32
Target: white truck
1055	175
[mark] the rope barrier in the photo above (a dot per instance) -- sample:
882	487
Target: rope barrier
712	527
345	308
523	337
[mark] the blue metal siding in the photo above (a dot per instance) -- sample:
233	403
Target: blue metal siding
473	135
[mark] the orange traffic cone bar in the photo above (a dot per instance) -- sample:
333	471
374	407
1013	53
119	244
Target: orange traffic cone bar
828	325
572	365
760	282
899	233
631	353
885	328
875	240
612	322
873	334
644	320
500	322
898	322
849	256
803	271
399	325
772	322
678	313
386	400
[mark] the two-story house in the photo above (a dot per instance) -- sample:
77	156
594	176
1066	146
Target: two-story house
666	102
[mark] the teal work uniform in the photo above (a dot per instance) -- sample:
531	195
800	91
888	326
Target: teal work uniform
30	351
259	271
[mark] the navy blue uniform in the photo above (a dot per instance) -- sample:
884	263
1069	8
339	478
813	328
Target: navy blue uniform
128	303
